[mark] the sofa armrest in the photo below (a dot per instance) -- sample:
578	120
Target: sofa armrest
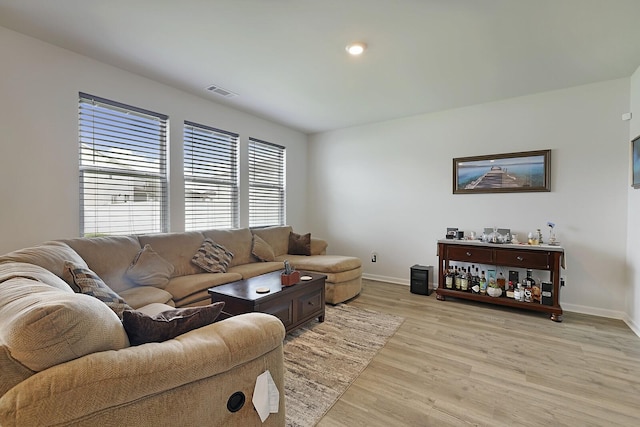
318	246
88	389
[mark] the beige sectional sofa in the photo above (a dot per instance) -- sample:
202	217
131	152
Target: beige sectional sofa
110	257
65	358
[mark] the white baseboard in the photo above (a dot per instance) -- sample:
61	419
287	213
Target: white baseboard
593	311
631	324
574	308
386	279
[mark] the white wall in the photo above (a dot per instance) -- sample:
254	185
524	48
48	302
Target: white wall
388	186
39	85
633	227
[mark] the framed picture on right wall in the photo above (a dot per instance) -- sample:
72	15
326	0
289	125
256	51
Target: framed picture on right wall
635	162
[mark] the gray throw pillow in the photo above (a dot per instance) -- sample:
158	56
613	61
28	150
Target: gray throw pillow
89	283
212	257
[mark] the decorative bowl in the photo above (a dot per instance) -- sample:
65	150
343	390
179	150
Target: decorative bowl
494	292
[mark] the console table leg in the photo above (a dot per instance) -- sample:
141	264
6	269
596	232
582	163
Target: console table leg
556	317
440	297
321	318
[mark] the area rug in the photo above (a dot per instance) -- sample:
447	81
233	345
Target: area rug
323	359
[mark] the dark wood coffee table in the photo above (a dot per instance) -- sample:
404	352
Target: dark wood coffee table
293	305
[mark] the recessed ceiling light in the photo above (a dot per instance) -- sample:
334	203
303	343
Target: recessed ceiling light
356	48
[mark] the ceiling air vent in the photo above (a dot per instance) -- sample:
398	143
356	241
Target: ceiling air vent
222	92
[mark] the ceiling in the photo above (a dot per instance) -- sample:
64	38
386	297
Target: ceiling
286	59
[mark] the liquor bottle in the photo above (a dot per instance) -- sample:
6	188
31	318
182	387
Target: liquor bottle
458	278
518	293
476	278
464	280
469	279
448	278
510	291
527	294
501	282
483	283
529	281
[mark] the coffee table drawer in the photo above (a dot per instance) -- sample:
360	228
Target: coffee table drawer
310	304
282	309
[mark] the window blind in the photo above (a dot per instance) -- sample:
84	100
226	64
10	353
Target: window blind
266	184
123	173
210	177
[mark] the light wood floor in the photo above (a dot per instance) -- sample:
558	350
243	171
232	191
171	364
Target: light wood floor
457	362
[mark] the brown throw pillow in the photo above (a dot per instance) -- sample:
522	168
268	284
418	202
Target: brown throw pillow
142	328
90	284
262	250
212	257
150	269
299	244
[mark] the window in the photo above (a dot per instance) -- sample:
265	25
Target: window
266	184
123	173
210	177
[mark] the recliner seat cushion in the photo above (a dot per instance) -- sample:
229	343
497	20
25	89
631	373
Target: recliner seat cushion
140	296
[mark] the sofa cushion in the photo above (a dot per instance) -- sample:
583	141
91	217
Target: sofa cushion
143	295
43	326
9	270
154	308
262	250
13	372
277	237
323	263
256	268
177	248
299	244
212	257
237	241
50	256
184	286
166	325
150	269
318	246
109	257
89	283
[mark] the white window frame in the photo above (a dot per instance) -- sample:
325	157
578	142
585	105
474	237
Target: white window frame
267	184
123	168
210	177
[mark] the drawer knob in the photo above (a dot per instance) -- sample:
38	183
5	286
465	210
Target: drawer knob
310	303
468	253
519	258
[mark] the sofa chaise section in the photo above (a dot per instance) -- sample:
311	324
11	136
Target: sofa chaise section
344	273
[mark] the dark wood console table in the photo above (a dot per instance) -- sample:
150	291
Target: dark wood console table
542	257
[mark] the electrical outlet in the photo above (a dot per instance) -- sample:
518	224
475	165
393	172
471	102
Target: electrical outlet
374	257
